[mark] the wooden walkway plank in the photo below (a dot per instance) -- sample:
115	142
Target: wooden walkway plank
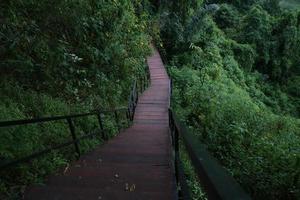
135	165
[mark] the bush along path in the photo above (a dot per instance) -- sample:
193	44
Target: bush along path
136	164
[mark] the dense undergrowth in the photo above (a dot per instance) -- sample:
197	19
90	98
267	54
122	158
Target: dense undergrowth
71	56
236	68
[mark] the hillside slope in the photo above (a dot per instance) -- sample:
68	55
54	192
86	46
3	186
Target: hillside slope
235	69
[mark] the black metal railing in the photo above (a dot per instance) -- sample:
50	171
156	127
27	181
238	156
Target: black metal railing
143	83
214	179
69	119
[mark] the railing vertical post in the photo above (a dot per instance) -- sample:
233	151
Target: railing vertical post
177	168
171	127
145	82
170	91
148	76
104	137
137	93
132	105
176	149
72	130
171	87
117	120
128	117
141	85
176	145
129	111
176	140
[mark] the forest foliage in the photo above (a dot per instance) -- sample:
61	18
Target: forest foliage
235	66
67	57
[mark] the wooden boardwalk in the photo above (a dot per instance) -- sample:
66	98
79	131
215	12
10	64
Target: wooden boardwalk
135	165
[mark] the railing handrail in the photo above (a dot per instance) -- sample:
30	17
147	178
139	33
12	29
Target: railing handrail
56	118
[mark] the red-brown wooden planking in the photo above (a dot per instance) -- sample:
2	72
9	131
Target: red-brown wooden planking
135	165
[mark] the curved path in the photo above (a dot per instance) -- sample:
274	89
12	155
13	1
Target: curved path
135	165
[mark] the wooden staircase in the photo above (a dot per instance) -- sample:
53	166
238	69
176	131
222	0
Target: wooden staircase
135	165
